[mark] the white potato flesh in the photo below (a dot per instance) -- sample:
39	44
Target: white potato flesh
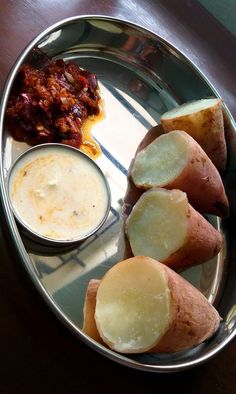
133	306
190	108
158	223
162	161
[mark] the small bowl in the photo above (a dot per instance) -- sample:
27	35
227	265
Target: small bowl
58	194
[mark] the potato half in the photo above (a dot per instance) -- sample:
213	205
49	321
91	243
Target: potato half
142	305
164	226
203	120
176	161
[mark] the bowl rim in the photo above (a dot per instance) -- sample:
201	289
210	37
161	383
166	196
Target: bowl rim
13	228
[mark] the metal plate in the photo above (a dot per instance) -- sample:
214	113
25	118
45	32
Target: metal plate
141	76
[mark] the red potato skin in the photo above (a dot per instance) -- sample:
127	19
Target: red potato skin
193	318
202	243
201	181
201	126
89	325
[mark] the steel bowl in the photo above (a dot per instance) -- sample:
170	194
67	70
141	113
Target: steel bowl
29	230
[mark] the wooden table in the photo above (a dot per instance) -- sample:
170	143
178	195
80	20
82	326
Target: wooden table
38	354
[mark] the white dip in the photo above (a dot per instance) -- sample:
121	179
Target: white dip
58	193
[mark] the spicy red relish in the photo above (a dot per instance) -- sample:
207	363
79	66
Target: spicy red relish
51	103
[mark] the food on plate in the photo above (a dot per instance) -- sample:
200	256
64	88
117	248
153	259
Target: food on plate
203	120
58	192
141	305
164	226
176	161
89	325
51	101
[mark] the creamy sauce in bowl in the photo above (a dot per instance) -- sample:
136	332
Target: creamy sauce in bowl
58	193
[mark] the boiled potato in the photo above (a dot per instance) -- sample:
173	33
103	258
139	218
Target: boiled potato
164	226
143	306
203	120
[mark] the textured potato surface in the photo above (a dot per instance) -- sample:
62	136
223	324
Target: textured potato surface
162	161
157	225
133	306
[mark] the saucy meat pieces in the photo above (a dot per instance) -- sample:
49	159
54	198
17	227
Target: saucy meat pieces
51	103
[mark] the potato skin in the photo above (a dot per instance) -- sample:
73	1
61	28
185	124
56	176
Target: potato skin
201	181
89	325
207	128
193	318
202	243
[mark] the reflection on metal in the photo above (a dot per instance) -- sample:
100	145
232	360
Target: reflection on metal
52	37
140	76
230	321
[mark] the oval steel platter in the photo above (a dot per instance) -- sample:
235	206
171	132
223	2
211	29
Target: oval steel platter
140	76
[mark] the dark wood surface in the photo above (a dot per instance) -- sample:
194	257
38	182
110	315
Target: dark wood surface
38	354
